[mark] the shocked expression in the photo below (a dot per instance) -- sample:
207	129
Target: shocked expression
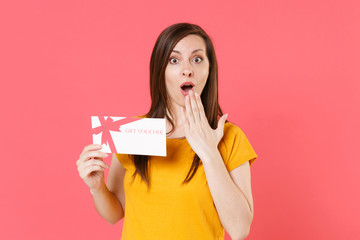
187	68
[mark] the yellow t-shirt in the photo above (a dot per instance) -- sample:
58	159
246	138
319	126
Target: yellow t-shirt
171	210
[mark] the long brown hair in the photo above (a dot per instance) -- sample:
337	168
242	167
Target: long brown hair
159	96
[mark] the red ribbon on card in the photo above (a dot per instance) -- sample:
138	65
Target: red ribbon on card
108	125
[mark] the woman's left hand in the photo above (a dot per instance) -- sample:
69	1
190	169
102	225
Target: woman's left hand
201	137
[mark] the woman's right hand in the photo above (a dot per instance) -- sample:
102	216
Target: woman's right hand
91	166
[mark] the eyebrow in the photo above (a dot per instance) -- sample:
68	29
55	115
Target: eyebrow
191	53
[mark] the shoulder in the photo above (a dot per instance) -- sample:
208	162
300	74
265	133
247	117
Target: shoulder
124	159
234	139
231	131
235	147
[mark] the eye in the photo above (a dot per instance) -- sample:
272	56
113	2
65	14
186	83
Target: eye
173	60
199	59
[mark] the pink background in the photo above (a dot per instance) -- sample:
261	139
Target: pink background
289	77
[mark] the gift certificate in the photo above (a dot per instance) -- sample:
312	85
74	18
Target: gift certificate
130	135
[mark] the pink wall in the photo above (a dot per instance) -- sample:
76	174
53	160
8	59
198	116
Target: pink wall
289	77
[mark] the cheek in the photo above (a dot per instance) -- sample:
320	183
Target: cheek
204	74
169	73
170	81
204	69
203	78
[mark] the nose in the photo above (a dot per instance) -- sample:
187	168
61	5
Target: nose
187	71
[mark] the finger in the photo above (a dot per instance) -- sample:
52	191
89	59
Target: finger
194	107
189	114
221	124
93	169
93	154
90	147
86	167
94	162
201	108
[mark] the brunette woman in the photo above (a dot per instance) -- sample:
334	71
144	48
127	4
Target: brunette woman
203	185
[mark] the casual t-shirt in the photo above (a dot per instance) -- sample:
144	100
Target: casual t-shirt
170	210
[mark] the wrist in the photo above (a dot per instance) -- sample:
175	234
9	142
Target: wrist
97	190
210	154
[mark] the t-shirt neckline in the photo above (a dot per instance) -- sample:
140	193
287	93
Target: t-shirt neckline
176	138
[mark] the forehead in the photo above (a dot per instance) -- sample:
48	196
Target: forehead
189	43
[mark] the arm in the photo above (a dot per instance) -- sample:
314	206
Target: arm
233	204
231	194
109	199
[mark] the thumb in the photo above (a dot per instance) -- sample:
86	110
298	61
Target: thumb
222	123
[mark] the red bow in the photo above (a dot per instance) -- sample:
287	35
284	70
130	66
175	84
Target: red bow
108	125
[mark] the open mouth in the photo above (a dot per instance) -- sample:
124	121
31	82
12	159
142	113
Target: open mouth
186	87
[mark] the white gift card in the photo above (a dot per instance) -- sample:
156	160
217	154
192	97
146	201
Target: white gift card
130	135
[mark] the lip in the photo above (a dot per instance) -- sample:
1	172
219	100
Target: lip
186	83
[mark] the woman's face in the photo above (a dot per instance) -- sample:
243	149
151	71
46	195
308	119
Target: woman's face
189	64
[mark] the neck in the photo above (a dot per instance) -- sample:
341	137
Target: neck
176	119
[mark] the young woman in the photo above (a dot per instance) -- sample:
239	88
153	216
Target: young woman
203	185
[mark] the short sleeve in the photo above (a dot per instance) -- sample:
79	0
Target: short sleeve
238	147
